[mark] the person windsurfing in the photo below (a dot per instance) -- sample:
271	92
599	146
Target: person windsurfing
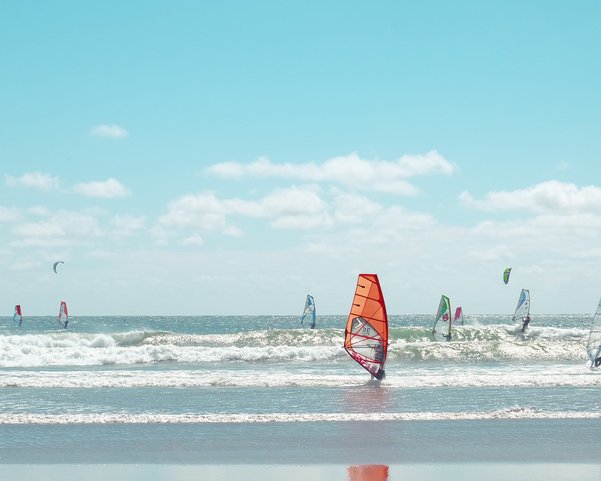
526	322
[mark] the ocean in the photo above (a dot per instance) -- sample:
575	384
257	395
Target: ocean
224	397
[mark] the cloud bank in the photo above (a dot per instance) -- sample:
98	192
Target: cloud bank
547	197
350	170
35	180
109	188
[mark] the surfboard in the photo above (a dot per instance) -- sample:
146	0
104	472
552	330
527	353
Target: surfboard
63	315
366	332
593	346
309	311
443	323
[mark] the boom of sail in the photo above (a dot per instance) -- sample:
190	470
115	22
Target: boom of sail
366	333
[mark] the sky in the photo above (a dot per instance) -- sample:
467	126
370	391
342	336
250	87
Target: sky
215	158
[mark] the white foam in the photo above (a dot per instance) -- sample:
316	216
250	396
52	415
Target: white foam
243	418
336	376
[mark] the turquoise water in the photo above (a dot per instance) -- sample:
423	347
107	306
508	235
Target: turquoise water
262	391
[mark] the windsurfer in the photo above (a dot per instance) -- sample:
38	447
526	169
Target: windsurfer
526	322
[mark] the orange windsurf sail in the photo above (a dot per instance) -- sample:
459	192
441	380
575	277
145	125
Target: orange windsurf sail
366	334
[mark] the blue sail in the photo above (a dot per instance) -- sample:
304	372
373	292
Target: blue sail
309	311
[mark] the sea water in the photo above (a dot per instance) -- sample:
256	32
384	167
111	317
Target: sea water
264	391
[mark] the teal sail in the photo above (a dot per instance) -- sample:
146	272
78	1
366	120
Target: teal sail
309	311
506	275
442	329
593	346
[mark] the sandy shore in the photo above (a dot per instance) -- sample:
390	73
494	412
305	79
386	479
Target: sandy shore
389	443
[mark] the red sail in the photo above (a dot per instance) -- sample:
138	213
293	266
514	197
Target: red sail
366	334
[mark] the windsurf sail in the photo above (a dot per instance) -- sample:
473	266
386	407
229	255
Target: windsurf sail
593	347
56	264
458	318
442	328
522	311
63	315
366	333
17	317
309	311
506	273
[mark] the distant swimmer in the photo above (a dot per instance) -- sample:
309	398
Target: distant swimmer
526	322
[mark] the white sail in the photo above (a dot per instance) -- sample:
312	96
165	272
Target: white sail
593	347
523	308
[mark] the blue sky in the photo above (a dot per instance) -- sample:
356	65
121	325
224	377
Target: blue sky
230	157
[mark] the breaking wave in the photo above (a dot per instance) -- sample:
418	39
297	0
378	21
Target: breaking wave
470	344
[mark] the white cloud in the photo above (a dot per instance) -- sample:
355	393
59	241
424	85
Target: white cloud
39	211
62	228
351	170
109	131
352	209
551	196
35	180
193	240
8	214
292	208
109	188
126	225
202	211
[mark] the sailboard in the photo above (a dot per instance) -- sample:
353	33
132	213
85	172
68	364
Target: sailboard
506	274
309	311
63	315
17	316
458	317
443	323
593	346
366	332
522	310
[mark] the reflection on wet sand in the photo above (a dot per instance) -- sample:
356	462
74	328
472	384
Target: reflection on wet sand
368	472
